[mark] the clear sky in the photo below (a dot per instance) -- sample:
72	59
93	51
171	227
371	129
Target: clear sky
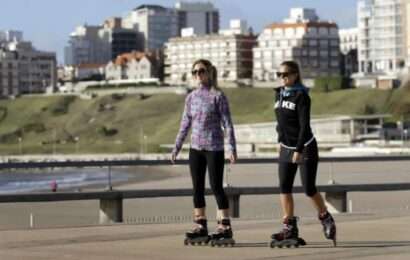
48	23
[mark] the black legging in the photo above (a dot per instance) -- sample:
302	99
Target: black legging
308	169
198	162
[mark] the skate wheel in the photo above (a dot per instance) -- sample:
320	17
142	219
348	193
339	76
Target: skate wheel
288	246
212	243
185	242
297	245
272	244
301	242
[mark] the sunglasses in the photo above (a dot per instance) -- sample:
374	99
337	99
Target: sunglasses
284	74
198	72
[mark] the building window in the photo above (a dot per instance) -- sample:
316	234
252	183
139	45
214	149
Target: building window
313	43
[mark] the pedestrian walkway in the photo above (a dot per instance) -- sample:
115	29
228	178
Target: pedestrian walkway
361	236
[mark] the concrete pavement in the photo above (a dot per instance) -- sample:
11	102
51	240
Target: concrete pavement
361	236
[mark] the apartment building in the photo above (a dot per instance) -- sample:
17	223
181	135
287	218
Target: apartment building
229	51
23	69
382	36
302	37
8	73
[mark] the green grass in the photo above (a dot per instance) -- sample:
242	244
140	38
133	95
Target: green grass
157	116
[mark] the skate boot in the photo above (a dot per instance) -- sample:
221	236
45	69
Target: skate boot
329	226
223	234
198	235
288	236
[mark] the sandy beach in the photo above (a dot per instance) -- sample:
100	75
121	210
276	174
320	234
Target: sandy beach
159	210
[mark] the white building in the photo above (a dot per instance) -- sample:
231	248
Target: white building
231	54
349	39
203	17
11	35
349	42
86	46
100	44
381	36
136	66
329	131
156	23
25	69
303	38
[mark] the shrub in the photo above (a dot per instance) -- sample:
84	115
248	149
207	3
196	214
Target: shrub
61	107
106	131
330	83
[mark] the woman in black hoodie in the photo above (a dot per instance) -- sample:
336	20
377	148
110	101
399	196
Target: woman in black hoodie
297	147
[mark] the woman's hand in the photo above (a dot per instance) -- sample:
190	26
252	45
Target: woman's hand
233	157
297	157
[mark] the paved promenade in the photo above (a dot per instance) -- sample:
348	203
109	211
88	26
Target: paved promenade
361	236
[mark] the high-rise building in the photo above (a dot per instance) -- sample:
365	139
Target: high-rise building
203	17
121	40
155	22
86	46
302	37
382	36
100	44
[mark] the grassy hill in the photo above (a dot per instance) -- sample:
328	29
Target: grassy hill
117	124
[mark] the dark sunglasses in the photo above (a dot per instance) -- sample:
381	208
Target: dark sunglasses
199	72
284	74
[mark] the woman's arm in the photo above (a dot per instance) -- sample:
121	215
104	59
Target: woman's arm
303	109
184	127
227	123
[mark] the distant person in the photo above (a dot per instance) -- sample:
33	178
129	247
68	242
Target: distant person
297	148
206	112
54	186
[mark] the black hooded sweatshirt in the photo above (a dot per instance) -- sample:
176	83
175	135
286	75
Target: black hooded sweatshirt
292	109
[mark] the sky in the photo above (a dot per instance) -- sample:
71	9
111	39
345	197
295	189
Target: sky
48	23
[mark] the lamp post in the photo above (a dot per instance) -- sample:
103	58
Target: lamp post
77	143
145	143
54	141
20	140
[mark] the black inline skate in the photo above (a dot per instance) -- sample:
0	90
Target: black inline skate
329	227
198	235
223	234
288	236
